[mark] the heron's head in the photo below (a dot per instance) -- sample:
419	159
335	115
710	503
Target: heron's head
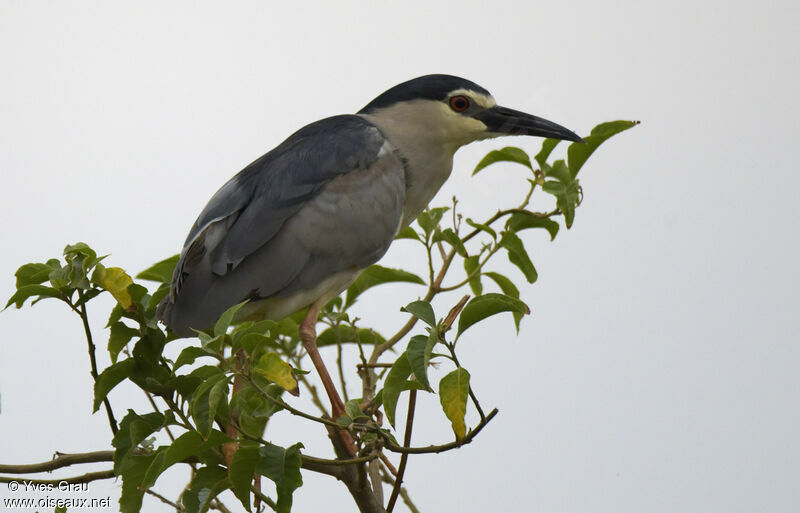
453	111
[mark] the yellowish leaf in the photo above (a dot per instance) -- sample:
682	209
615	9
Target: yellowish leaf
453	391
279	372
115	280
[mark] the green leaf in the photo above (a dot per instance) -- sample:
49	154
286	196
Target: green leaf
348	335
34	274
509	289
26	291
254	410
225	320
116	314
242	469
160	272
430	219
160	293
419	355
208	482
524	220
138	293
203	406
217	401
187	445
277	371
482	227
453	391
548	145
353	409
481	307
560	172
555	188
80	260
567	202
579	153
518	256
507	154
255	344
282	466
422	310
133	429
59	277
393	385
470	266
79	249
449	236
155	469
133	472
121	334
189	355
567	195
377	275
111	377
407	233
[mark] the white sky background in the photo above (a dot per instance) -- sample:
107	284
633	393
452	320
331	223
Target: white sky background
659	370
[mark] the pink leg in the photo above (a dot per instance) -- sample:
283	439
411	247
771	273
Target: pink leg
308	334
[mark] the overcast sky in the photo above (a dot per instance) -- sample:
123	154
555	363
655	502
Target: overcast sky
659	370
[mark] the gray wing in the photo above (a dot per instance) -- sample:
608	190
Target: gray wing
327	200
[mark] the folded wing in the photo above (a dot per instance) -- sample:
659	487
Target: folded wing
327	202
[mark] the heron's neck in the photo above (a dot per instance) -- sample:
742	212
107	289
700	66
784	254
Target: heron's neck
428	159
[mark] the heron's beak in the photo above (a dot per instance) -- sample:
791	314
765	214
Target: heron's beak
506	121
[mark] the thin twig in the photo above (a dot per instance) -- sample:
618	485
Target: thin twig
264	498
166	501
81	311
374	365
85	478
219	506
313	460
59	460
452	349
379	349
432	449
290	409
412	402
314	394
156	409
388	464
174	407
339	363
403	492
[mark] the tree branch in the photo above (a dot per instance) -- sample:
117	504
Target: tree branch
290	409
81	311
431	449
354	477
85	478
264	498
412	402
59	460
166	501
403	492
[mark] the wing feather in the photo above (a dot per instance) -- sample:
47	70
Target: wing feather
328	199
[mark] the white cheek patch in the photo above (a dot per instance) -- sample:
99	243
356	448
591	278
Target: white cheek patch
484	100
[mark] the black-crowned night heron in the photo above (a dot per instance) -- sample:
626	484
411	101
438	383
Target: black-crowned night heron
296	227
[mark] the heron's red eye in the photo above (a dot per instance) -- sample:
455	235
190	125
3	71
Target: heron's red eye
459	103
